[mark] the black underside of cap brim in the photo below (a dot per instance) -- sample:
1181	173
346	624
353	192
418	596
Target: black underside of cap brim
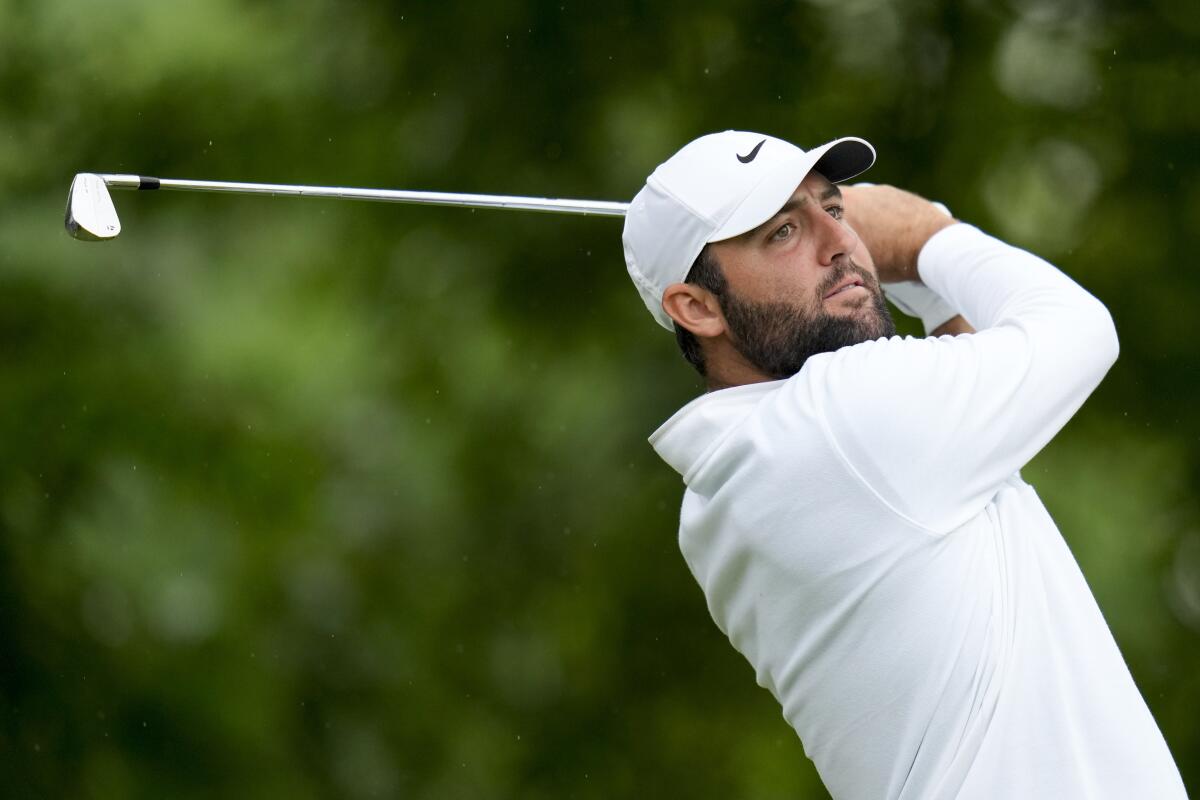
845	160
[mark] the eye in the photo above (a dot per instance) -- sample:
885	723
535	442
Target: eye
835	211
783	232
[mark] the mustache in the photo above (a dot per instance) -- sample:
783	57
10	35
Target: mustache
846	268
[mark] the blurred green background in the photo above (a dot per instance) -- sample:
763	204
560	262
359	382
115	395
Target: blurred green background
306	498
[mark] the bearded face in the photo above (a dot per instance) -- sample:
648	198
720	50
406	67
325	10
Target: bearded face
778	337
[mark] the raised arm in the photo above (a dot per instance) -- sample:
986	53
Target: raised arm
900	283
934	426
894	225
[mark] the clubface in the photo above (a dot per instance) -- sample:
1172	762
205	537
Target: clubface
91	215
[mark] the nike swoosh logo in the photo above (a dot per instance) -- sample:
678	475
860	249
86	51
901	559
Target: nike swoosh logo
746	159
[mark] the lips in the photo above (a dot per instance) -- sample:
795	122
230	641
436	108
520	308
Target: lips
846	285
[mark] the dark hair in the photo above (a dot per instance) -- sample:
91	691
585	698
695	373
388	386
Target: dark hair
705	273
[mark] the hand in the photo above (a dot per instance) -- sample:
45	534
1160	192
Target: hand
893	225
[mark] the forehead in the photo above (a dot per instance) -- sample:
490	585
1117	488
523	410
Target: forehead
816	181
815	185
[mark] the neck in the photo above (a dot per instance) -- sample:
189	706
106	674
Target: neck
726	367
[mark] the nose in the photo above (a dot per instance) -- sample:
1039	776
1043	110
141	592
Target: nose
837	240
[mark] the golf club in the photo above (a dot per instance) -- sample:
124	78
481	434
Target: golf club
91	215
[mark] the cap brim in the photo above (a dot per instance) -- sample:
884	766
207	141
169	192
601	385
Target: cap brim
845	158
838	160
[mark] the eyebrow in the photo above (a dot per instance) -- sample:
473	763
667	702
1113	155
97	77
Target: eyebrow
791	205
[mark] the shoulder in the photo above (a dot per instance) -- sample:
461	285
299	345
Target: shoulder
863	365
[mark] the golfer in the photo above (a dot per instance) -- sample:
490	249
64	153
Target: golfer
854	510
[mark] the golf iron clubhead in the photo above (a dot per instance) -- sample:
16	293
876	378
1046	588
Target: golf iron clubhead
92	217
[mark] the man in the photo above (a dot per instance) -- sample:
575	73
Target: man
853	509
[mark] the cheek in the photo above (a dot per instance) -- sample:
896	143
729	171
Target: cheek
862	256
797	288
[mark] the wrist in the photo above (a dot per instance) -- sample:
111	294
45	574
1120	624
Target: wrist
927	229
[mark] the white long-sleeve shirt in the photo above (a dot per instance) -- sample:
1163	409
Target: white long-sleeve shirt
863	537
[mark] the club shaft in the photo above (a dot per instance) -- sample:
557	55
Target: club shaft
551	205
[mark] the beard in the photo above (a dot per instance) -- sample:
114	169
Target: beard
778	337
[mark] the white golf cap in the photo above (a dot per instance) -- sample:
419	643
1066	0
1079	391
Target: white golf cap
717	187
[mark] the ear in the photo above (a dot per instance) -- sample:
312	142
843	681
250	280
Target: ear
694	308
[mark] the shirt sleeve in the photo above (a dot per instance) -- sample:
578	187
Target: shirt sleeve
934	426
